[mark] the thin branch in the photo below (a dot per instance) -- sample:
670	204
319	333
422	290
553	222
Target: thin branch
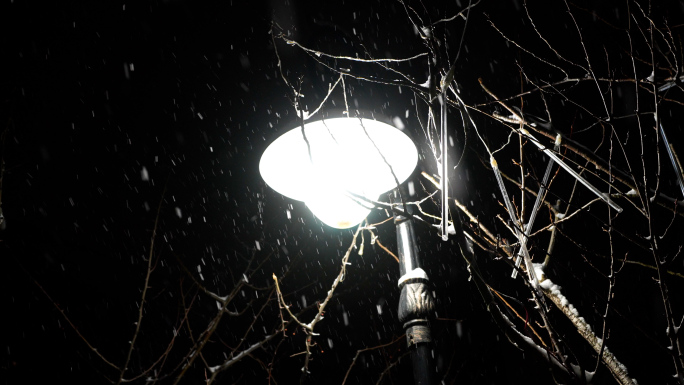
143	296
319	53
75	329
358	352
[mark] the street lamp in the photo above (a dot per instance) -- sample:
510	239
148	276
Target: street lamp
329	159
329	164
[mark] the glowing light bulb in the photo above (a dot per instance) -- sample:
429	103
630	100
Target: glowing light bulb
343	155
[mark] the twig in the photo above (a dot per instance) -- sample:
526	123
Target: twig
358	352
143	297
75	329
319	53
309	328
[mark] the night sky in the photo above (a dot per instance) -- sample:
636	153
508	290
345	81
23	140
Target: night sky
119	119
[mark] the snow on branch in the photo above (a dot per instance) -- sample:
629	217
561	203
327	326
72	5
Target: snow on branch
309	327
553	292
241	355
319	54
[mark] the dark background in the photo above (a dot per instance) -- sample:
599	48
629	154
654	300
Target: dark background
109	109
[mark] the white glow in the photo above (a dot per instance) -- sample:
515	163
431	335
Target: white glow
344	158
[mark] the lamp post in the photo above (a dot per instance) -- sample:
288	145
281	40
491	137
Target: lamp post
328	164
416	304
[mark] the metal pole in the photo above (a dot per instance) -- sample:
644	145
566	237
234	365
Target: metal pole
416	304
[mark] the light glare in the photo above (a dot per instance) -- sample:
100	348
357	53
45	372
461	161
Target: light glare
347	155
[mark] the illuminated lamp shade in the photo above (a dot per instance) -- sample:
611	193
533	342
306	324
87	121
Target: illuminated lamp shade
348	155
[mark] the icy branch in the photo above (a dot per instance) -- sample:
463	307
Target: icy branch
572	172
679	171
241	355
519	234
445	166
537	203
553	292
